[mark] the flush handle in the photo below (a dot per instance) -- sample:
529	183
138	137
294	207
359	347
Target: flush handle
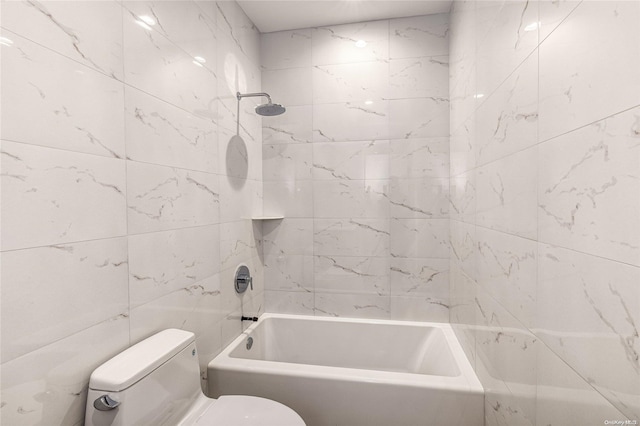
105	403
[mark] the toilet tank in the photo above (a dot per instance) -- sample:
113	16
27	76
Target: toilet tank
155	382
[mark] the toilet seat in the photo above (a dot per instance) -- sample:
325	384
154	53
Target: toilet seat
241	410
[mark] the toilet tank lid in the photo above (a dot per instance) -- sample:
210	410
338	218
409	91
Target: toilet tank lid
133	364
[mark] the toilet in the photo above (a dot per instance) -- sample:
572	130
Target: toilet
157	382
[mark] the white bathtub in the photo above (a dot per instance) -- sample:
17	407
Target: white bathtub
351	372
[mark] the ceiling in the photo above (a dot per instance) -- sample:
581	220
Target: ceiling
278	15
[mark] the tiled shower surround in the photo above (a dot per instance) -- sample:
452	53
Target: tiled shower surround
124	205
545	207
359	168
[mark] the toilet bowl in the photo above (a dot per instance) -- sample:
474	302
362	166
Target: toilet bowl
157	382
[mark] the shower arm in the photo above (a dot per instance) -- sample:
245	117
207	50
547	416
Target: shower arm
247	95
250	95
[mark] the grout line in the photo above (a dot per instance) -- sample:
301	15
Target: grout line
72	334
312	34
126	178
537	144
118	236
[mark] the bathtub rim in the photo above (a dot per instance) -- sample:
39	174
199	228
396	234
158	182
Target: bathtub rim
466	381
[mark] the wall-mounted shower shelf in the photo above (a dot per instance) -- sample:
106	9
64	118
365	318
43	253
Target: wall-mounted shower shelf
267	217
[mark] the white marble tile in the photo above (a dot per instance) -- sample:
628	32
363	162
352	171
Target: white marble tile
239	242
287	302
49	385
419	308
234	23
415	158
463	148
195	308
290	199
350	198
352	82
587	182
506	194
162	198
420	277
209	8
426	198
159	133
462	62
183	23
289	236
208	347
563	397
162	262
419	238
552	13
463	246
81	109
294	126
351	274
288	273
51	196
157	66
462	310
507	32
87	32
506	364
351	237
419	118
462	197
502	407
598	336
589	66
507	121
291	86
287	162
40	286
352	305
506	269
334	122
463	97
351	160
419	77
235	72
240	199
419	36
285	49
337	44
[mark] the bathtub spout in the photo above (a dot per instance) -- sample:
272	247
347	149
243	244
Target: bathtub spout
243	318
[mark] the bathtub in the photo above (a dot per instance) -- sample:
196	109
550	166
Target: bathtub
352	372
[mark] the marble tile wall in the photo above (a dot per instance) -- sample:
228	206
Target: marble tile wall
125	198
545	207
358	166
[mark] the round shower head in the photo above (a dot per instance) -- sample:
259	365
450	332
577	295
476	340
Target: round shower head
270	109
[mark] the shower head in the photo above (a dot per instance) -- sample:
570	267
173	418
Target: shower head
270	109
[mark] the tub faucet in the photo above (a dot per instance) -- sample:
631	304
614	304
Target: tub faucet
243	318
